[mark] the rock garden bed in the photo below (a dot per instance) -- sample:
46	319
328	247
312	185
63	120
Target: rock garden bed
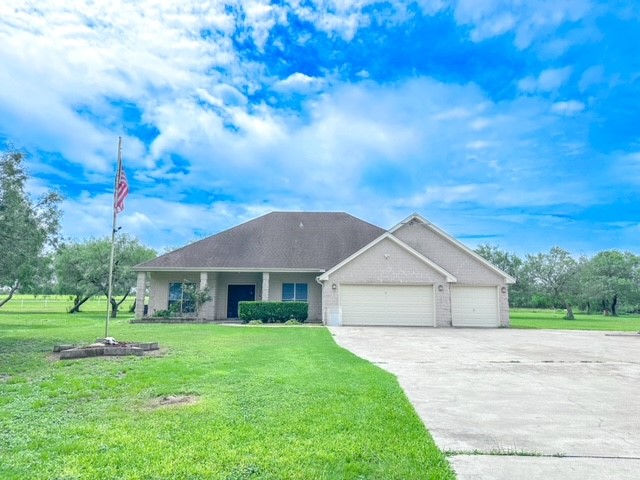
107	347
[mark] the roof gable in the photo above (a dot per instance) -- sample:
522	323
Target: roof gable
454	242
401	244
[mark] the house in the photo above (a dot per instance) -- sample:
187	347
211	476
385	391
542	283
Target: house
349	271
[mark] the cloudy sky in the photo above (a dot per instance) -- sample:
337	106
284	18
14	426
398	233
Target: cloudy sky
510	122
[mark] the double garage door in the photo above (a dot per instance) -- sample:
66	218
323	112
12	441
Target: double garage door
413	305
396	305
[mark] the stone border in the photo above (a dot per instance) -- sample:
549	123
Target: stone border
69	352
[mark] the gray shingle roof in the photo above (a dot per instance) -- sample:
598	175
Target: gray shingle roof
279	240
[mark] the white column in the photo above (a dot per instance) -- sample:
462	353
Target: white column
265	286
141	287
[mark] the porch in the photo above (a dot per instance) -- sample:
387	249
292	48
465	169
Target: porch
227	289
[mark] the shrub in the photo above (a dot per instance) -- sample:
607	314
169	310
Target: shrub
273	312
255	322
292	322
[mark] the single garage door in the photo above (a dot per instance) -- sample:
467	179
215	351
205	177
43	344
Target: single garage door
474	306
393	305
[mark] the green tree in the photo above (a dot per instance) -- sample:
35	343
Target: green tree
28	226
519	293
612	277
555	274
69	264
82	269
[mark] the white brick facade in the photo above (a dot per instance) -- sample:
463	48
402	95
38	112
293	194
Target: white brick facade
218	284
386	263
467	269
413	253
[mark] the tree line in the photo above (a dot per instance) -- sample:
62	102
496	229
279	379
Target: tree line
607	283
34	258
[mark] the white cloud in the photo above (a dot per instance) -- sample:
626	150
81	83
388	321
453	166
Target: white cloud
591	76
299	83
445	195
567	108
322	157
173	68
528	21
478	145
480	123
497	25
453	113
627	168
548	80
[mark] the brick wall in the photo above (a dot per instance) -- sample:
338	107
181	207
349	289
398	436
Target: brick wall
159	287
314	290
387	262
467	269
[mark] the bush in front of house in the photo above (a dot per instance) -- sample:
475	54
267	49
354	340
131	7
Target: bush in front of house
273	312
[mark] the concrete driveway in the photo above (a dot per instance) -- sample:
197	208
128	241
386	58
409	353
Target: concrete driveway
487	395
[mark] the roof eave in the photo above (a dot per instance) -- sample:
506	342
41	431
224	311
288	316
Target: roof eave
228	269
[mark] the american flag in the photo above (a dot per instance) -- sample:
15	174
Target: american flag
122	190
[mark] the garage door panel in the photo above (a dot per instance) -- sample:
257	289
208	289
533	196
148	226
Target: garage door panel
400	305
474	306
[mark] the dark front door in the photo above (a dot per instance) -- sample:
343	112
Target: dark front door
239	293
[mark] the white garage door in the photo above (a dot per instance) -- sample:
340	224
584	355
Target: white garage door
397	305
474	306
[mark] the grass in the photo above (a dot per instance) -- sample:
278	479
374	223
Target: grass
58	303
549	319
272	403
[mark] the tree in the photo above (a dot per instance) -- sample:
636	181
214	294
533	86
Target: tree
520	292
611	277
28	226
69	263
83	269
555	273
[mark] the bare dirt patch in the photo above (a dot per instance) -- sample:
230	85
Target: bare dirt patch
173	401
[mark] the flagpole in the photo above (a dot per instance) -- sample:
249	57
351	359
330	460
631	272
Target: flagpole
113	236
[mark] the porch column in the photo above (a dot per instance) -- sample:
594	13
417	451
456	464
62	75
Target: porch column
141	287
207	280
265	286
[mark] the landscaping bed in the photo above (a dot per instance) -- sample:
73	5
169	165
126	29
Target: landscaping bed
106	349
172	320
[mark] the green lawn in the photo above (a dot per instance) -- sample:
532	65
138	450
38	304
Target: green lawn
527	318
272	403
58	303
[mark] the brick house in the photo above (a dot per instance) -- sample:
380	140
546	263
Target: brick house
349	271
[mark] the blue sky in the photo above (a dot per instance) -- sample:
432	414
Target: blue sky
508	122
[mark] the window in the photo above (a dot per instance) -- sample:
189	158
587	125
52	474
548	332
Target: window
294	292
181	297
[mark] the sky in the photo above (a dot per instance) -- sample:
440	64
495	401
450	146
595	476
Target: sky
514	123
